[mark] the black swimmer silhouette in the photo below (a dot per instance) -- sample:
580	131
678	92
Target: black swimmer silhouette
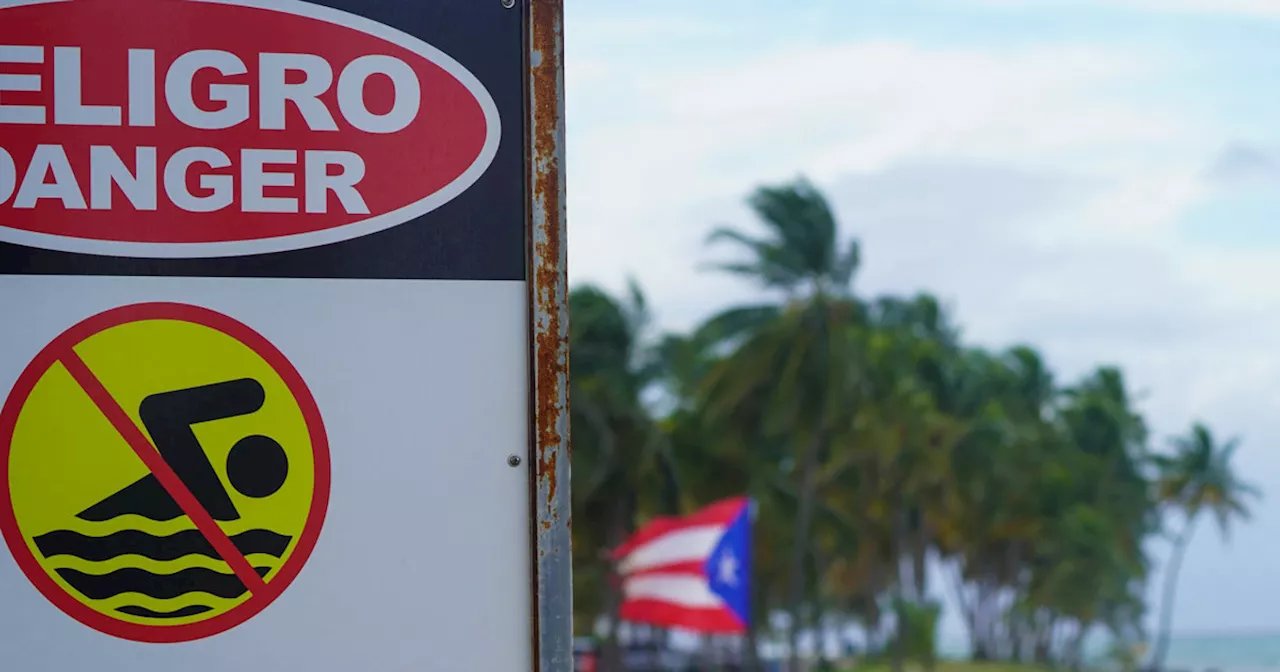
256	467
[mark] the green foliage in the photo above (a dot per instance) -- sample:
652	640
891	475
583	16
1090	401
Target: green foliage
917	633
1198	477
874	440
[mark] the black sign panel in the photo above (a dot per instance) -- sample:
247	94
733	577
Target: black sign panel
94	118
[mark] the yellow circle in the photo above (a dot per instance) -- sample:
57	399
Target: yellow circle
104	524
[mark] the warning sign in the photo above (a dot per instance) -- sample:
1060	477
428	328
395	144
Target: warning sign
164	472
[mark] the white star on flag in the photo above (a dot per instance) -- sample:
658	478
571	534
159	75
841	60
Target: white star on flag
727	568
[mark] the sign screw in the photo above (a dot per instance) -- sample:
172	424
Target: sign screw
509	4
513	460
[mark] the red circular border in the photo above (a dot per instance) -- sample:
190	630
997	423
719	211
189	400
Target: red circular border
319	445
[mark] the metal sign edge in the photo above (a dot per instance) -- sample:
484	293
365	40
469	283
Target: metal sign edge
552	576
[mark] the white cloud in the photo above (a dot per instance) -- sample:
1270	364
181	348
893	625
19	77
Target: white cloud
1247	8
608	28
862	105
1242	163
658	155
1244	7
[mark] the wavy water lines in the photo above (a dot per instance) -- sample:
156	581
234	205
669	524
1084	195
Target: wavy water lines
158	586
171	547
169	577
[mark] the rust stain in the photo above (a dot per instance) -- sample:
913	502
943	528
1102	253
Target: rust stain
548	286
548	273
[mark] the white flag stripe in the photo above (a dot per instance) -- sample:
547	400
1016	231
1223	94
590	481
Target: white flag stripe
690	545
687	591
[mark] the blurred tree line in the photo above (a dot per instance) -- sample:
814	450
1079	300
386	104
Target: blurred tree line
875	441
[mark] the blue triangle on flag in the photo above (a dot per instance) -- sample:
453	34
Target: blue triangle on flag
728	568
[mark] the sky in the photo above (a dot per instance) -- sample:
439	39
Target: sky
1098	178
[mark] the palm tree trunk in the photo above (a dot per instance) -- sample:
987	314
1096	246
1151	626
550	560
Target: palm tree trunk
1076	648
611	652
752	654
919	552
820	613
920	568
871	626
760	608
804	520
1163	637
898	656
1042	653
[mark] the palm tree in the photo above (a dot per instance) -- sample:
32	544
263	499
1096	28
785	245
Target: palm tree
1199	477
622	463
999	468
872	438
794	353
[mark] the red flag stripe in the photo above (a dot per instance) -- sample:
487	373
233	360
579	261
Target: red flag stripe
719	513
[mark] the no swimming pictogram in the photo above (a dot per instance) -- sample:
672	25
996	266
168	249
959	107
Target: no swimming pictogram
164	470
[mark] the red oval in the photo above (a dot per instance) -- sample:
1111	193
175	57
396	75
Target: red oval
437	156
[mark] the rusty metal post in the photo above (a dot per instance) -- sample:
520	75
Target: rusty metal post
553	579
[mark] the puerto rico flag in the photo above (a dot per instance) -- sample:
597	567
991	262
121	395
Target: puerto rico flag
691	572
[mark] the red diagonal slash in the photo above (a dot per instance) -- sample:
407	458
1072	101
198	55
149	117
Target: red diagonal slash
163	473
